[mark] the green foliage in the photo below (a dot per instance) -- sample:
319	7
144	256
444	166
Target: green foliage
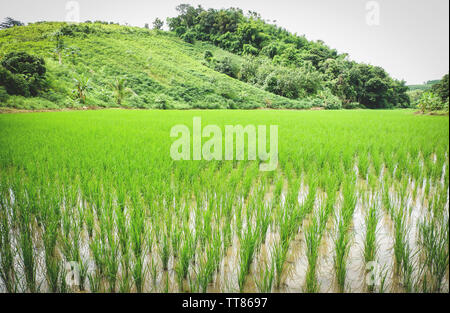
3	94
441	89
10	22
81	87
120	90
226	66
250	35
330	101
101	185
22	74
431	102
157	66
158	24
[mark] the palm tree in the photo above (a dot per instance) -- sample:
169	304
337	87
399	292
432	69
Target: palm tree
59	46
121	90
81	86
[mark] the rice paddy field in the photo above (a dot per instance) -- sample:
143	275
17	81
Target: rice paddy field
358	203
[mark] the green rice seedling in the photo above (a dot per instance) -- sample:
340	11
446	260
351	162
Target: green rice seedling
89	219
370	242
166	282
376	162
434	243
383	276
205	272
153	272
165	252
137	236
247	250
266	277
342	248
386	199
27	250
408	268
313	237
182	266
263	221
363	165
111	261
126	281
94	279
7	273
400	237
279	253
175	238
52	262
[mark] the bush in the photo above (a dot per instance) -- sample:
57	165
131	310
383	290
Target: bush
430	102
22	74
227	67
330	101
163	102
15	84
352	105
188	37
3	94
208	55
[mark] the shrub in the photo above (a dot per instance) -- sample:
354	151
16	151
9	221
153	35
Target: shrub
330	101
22	74
3	94
163	102
227	67
15	84
188	37
208	55
351	105
430	102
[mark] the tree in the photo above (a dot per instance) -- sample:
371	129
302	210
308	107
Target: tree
158	24
59	45
121	90
441	89
81	87
22	74
10	22
430	102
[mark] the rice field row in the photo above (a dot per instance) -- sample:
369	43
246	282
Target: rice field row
90	201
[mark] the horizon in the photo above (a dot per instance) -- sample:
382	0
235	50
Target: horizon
416	32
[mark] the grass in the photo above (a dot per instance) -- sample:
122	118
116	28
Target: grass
161	69
99	188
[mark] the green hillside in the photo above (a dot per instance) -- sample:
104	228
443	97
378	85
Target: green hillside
424	86
161	70
209	59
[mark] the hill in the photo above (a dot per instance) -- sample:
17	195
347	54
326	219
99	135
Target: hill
208	59
424	86
161	70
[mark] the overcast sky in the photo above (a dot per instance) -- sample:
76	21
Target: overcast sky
409	38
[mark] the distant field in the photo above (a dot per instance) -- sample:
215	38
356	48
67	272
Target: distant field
359	202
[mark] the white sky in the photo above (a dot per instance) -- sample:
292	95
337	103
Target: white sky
411	40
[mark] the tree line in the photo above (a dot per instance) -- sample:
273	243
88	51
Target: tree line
297	67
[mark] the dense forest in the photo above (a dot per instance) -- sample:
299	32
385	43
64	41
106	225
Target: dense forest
287	64
208	59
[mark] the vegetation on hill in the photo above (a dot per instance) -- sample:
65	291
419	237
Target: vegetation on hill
424	86
287	64
83	62
433	98
209	59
